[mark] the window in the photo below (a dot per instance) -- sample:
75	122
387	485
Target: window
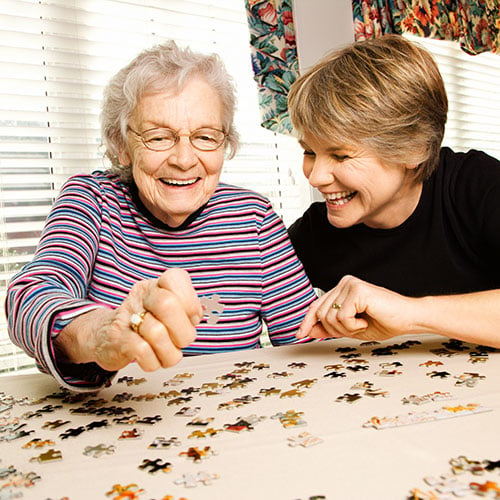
55	57
473	94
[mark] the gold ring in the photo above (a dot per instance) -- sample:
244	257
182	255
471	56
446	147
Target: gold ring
335	305
136	320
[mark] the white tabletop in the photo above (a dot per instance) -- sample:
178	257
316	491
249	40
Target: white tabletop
347	459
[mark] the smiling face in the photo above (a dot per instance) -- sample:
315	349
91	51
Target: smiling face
175	183
358	188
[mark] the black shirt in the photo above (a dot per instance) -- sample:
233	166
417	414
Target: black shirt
450	244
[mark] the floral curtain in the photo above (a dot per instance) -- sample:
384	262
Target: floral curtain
274	58
474	23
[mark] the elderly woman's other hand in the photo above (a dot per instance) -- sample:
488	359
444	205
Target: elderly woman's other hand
355	308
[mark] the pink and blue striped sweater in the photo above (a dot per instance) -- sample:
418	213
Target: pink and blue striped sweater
99	240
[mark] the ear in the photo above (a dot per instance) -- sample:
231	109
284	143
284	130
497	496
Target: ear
411	166
124	157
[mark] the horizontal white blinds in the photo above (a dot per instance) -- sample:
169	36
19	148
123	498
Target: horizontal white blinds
473	87
55	58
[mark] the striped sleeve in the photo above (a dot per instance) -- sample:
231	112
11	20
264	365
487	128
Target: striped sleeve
287	291
51	290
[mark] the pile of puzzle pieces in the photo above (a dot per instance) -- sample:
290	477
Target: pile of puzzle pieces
46	428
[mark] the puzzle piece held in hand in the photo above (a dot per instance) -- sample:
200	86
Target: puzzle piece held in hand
212	308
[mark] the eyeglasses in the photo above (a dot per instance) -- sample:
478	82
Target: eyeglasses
163	139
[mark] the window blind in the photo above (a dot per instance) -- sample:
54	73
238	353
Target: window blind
55	58
473	94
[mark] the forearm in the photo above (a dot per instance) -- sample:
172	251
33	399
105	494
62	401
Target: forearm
473	317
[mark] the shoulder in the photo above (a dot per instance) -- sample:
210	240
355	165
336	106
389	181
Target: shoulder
474	163
312	218
468	173
105	178
234	198
97	184
228	191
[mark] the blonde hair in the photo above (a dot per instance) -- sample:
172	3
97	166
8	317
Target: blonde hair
163	67
385	93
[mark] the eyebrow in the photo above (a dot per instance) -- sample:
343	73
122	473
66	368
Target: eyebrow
330	150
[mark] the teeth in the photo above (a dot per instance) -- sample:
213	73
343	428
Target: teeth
341	198
179	183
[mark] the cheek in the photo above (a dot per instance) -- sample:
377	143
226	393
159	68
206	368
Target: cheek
307	166
146	163
214	165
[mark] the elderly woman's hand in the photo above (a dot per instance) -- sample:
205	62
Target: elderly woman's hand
170	311
355	308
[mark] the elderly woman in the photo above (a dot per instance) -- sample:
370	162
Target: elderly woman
128	256
408	236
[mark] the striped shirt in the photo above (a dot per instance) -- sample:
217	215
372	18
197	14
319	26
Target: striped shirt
99	240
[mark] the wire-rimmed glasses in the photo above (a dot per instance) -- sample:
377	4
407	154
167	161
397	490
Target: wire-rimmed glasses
163	139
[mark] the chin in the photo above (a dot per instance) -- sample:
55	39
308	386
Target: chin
340	223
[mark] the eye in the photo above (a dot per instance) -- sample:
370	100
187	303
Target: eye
309	153
340	158
204	137
159	136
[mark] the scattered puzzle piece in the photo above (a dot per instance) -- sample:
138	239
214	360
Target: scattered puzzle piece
421	417
197	454
99	449
290	419
292	393
162	443
129	492
153	466
54	424
304	439
131	434
191	481
73	432
489	488
446	484
48	456
38	443
307	383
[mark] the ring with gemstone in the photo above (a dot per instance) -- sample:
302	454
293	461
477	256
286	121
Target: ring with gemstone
335	305
136	320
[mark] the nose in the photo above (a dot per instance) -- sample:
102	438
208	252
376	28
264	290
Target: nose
183	155
320	173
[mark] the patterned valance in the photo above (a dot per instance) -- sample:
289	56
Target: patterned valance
475	24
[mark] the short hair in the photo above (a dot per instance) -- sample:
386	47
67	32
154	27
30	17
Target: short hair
386	94
163	67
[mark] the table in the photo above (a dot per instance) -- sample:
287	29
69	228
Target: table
344	460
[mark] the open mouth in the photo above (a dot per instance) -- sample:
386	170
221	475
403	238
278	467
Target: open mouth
178	182
338	199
